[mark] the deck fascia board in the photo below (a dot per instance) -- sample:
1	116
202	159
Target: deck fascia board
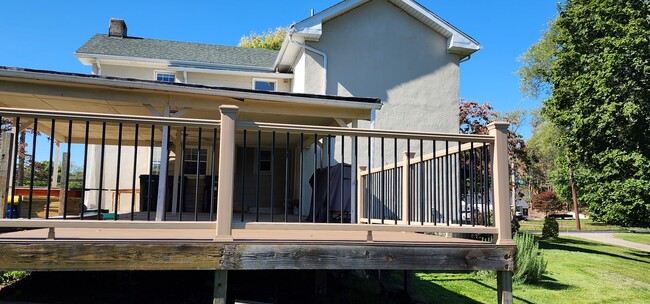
180	255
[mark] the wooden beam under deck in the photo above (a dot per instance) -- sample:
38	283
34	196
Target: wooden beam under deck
192	249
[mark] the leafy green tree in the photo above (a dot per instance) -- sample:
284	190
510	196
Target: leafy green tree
600	100
270	40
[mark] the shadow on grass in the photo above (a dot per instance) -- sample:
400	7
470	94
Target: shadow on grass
440	294
574	245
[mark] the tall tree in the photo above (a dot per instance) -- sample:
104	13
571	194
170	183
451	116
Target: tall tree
600	100
270	40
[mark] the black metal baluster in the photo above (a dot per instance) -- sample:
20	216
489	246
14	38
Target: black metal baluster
286	179
15	166
117	177
198	177
243	176
272	172
395	181
342	210
369	179
302	137
67	170
150	181
486	193
214	172
101	171
181	192
257	178
354	190
135	168
31	174
313	193
329	164
383	183
83	182
447	182
472	172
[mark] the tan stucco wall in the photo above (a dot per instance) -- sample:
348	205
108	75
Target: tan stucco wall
377	50
230	81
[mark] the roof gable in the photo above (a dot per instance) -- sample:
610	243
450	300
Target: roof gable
457	41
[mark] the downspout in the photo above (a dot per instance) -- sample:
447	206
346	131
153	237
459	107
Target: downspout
99	66
319	52
466	58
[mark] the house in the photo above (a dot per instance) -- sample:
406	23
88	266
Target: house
396	53
259	125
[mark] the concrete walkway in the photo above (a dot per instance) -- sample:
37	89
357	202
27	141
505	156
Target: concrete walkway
607	238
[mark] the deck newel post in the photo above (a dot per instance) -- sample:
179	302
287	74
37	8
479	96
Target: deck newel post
500	185
226	173
220	287
5	156
406	194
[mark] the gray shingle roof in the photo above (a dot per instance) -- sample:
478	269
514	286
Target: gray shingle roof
199	53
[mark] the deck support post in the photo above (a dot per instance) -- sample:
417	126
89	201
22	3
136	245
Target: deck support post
226	172
500	184
220	287
406	193
5	157
504	287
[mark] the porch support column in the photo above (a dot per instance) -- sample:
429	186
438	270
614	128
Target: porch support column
220	287
499	130
226	172
504	287
162	175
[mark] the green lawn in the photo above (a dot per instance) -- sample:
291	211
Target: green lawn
641	238
569	225
578	272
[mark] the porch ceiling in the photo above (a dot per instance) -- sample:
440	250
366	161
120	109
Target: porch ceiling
45	90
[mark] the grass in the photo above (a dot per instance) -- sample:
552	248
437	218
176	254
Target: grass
641	238
569	225
578	272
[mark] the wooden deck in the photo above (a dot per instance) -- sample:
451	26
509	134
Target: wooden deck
185	249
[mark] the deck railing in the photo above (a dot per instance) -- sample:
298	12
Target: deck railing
267	175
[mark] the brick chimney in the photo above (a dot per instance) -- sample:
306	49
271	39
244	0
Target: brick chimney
117	28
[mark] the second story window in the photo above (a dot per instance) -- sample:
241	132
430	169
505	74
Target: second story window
265	84
165	77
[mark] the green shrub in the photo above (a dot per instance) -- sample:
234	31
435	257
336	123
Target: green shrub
530	261
551	228
514	226
11	276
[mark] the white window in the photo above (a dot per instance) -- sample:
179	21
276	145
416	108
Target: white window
165	77
265	84
194	156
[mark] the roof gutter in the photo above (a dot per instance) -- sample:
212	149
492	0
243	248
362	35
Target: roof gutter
466	58
319	52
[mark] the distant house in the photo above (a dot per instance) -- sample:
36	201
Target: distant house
395	50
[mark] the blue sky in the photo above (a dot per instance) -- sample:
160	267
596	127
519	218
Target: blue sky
44	34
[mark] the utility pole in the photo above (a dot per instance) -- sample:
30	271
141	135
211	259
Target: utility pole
573	192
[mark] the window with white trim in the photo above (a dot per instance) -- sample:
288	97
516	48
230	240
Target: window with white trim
265	84
194	156
165	77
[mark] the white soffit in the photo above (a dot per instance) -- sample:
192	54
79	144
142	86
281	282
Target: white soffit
457	41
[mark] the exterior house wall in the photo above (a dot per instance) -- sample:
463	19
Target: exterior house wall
230	81
379	50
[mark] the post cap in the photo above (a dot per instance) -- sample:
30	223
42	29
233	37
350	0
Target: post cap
498	125
228	109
